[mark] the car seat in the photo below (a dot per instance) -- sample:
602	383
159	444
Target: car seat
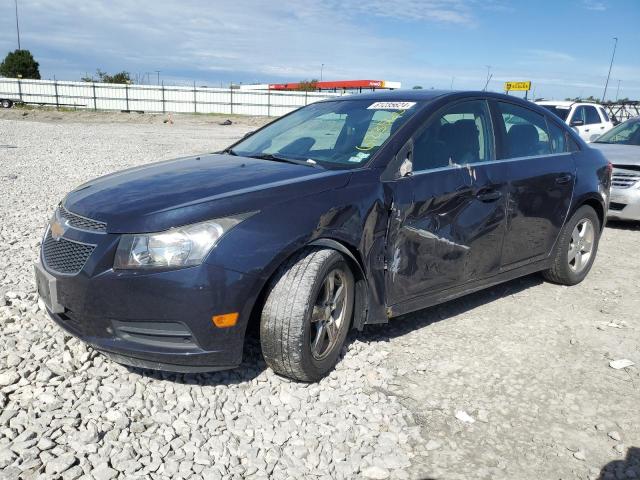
523	140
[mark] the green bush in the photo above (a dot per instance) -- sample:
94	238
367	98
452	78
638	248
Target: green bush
104	77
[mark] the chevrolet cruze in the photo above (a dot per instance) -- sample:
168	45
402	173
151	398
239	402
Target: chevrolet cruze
344	213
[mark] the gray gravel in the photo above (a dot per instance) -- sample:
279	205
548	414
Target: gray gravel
509	383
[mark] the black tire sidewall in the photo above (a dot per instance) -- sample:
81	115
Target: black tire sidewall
584	212
319	368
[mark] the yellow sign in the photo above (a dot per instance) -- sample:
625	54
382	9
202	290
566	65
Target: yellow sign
517	86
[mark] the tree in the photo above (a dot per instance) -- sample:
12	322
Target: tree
20	63
417	87
308	85
104	77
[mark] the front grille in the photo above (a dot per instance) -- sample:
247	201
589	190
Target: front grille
616	206
65	256
624	179
82	223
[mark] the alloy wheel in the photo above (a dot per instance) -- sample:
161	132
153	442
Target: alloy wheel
581	245
328	314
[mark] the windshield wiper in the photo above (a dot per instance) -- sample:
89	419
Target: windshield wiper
278	158
230	151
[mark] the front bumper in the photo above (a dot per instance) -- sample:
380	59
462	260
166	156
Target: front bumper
624	204
159	320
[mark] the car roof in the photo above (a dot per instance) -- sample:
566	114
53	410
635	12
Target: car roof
565	103
428	96
562	103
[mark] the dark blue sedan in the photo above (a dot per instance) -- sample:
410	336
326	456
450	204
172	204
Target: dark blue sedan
341	214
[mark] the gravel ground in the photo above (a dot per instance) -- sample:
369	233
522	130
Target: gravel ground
513	382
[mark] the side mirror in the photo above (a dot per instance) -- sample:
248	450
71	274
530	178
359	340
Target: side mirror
404	159
577	123
401	166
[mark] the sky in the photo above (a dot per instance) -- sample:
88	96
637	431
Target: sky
563	46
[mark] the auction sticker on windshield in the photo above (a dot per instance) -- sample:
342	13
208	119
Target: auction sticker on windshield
391	106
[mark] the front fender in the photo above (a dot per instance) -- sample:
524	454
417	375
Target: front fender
350	219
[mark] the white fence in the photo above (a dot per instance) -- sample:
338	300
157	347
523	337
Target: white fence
156	98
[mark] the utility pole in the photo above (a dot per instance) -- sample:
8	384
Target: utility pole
610	66
452	79
488	77
321	69
17	24
158	73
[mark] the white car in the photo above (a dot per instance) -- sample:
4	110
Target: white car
621	146
590	120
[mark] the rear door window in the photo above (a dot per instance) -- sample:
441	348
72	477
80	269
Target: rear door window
592	116
526	132
603	114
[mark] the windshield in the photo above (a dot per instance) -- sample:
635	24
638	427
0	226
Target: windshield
562	112
627	133
333	134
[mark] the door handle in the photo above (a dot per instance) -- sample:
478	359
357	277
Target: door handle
586	129
564	179
602	127
489	195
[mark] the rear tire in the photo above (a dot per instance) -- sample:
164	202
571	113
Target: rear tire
6	103
307	314
576	249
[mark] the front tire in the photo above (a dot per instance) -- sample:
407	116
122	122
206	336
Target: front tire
576	249
307	314
6	103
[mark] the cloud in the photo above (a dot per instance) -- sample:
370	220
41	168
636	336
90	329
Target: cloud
452	11
594	5
551	56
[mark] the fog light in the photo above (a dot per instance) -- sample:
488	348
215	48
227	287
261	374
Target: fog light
225	321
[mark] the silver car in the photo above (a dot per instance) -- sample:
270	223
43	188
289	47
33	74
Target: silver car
621	146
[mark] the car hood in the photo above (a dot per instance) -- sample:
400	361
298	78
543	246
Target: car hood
162	195
619	154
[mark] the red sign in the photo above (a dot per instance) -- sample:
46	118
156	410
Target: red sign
342	84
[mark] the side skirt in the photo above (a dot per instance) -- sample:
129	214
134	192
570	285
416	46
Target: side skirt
430	299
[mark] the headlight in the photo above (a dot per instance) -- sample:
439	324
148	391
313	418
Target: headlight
179	247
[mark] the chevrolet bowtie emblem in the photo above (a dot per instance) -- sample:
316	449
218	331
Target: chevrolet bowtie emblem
57	229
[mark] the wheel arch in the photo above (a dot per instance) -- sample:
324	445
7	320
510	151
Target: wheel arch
594	203
361	301
354	260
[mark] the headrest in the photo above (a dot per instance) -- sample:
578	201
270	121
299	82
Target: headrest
525	133
523	139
